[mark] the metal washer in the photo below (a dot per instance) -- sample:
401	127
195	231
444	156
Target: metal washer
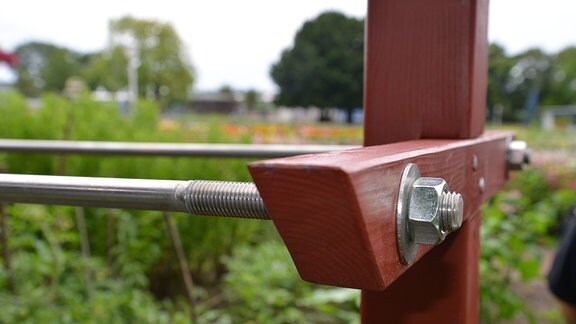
406	248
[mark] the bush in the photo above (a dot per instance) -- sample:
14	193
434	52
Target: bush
516	224
130	249
50	277
262	284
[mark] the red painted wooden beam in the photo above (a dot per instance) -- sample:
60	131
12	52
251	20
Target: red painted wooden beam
426	69
336	211
441	288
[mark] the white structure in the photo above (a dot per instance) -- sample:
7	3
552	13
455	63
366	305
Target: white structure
549	114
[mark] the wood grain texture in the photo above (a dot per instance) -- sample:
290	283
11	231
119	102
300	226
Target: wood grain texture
336	211
425	70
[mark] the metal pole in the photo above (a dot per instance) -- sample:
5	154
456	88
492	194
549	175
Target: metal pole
212	198
165	149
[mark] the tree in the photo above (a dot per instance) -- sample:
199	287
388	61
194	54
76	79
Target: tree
499	65
529	83
324	67
227	90
164	72
107	69
45	67
563	81
522	82
251	100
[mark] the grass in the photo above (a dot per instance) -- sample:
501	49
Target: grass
559	139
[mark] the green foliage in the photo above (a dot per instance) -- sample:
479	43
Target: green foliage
252	100
164	72
107	69
45	67
130	249
263	284
516	224
512	77
546	140
324	67
498	78
562	83
243	272
132	263
49	276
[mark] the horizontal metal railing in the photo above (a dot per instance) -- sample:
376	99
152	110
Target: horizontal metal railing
211	198
215	198
165	149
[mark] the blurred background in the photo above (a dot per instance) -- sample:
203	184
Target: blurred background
250	71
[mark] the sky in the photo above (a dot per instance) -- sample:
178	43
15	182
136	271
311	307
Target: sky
234	43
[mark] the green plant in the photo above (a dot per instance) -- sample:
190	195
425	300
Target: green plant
130	251
516	225
49	276
243	272
262	284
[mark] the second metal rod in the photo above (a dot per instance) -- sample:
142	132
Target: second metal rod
165	149
212	198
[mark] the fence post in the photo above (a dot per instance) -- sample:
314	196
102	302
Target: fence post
426	71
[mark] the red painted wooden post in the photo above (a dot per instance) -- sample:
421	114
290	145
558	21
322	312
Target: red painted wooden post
426	70
442	287
425	85
426	66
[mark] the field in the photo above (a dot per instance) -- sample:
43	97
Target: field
241	269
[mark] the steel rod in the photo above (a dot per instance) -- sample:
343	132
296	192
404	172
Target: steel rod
212	198
165	149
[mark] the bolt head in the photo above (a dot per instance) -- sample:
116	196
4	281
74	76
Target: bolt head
424	211
518	155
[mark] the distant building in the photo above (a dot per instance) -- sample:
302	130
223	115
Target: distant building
551	113
201	102
213	103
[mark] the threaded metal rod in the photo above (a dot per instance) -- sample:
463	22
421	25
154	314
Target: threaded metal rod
451	211
211	198
234	199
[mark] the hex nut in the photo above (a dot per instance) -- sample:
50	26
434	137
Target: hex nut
518	155
424	219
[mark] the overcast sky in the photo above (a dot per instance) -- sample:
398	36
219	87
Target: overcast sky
234	42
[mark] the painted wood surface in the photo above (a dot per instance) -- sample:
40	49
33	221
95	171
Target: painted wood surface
425	69
336	211
425	77
441	288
